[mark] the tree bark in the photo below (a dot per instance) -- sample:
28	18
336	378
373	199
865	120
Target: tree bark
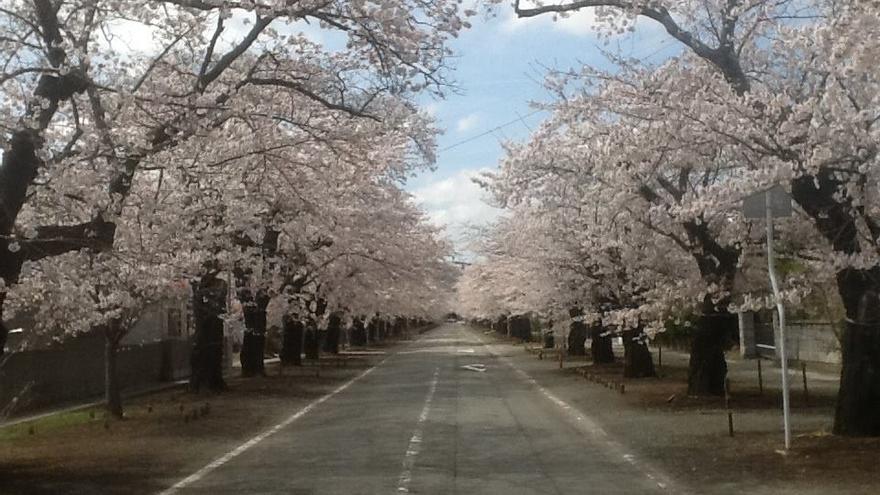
707	368
4	332
601	350
291	341
312	340
112	387
334	329
501	325
253	344
358	332
521	327
637	361
373	330
577	339
858	400
206	357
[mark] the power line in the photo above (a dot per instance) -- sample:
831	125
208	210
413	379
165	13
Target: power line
490	131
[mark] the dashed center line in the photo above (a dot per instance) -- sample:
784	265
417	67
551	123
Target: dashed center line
415	442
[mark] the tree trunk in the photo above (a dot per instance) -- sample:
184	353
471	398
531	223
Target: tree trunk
637	361
372	330
858	400
380	330
331	342
291	341
707	368
601	349
206	357
312	340
358	332
501	325
520	327
577	339
4	332
112	392
253	344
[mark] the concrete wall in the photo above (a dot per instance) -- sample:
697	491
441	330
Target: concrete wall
811	341
75	371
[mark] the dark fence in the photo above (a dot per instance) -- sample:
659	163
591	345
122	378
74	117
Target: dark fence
75	371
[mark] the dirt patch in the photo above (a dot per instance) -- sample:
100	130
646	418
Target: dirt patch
165	436
752	459
668	392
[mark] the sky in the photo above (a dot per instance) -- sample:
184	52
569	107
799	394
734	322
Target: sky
499	68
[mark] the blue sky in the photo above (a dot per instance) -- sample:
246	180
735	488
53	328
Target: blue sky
499	68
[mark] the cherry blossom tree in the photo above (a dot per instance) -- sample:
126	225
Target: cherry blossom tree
74	99
107	291
799	108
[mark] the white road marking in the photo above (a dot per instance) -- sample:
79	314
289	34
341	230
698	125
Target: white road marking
475	367
415	442
216	463
589	426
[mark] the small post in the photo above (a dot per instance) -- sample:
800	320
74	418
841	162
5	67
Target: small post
727	406
806	390
760	378
561	357
660	356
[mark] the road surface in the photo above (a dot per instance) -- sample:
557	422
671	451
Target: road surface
444	414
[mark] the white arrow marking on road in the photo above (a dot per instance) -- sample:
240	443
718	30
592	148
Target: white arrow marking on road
475	367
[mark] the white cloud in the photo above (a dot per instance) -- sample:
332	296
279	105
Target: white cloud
130	38
431	108
579	23
457	204
467	122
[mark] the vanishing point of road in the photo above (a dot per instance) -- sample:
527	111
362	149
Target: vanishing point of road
446	413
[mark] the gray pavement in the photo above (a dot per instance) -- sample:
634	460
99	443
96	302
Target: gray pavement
421	423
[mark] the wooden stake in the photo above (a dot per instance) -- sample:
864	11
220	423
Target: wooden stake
760	378
727	406
806	390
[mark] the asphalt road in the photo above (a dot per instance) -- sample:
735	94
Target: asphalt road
421	422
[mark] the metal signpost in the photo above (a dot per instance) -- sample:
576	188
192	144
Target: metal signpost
769	204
